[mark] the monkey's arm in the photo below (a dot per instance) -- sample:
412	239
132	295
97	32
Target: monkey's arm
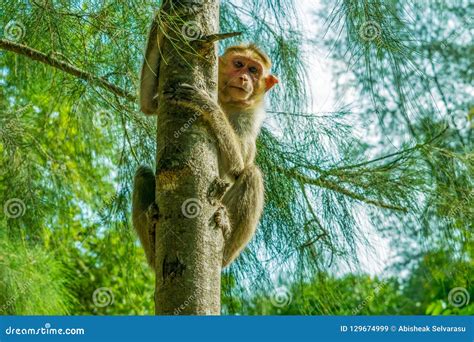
229	146
150	70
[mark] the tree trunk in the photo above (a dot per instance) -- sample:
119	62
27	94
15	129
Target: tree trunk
188	245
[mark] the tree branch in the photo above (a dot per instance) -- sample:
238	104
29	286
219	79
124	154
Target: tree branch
332	186
324	183
66	67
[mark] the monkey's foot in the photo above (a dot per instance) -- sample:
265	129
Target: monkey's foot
221	218
217	190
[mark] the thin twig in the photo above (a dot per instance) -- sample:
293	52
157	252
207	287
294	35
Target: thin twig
66	67
324	183
219	36
417	146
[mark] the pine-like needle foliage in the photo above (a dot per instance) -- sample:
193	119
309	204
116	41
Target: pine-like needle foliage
71	137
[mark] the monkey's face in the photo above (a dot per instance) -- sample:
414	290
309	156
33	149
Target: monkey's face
241	75
242	79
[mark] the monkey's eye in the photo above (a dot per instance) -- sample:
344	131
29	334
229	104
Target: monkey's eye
238	64
253	70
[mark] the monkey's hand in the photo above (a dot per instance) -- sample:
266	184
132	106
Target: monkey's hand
192	97
199	100
221	218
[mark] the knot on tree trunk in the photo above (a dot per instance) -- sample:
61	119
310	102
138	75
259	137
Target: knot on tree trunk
172	267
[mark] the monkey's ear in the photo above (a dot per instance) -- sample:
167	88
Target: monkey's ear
270	81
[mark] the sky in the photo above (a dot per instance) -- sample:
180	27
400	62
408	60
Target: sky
375	259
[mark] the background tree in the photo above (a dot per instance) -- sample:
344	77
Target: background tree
413	75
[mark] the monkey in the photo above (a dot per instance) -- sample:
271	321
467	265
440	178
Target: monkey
235	119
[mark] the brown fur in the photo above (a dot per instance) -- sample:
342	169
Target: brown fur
236	125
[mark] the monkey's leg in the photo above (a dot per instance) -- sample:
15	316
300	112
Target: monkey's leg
144	210
227	140
244	204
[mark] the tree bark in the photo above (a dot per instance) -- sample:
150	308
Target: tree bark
188	244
